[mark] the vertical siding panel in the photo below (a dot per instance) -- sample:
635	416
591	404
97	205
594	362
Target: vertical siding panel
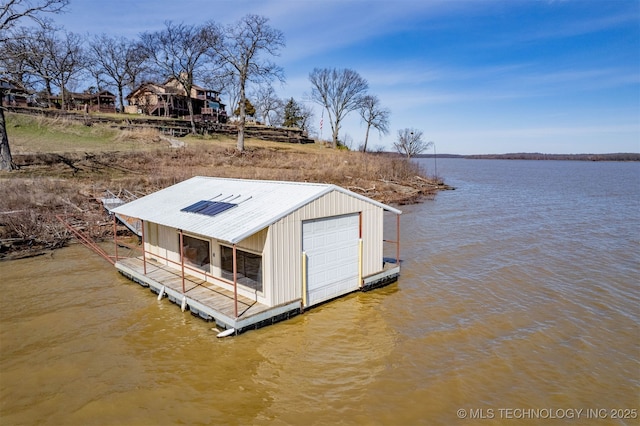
267	278
254	242
333	204
166	245
280	277
170	238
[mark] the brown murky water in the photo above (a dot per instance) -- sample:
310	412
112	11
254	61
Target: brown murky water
518	303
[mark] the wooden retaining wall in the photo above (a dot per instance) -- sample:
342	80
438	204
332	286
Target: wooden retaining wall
174	127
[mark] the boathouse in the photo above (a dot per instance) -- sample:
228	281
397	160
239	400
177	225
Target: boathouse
247	253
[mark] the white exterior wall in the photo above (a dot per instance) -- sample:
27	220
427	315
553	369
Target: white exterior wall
280	246
162	243
284	242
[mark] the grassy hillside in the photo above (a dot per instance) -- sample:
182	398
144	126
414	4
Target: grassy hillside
65	166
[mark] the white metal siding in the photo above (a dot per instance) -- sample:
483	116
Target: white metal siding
283	247
254	242
168	247
281	242
163	242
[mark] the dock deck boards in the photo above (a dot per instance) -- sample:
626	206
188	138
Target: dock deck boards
212	302
201	295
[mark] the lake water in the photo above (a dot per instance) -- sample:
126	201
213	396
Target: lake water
518	303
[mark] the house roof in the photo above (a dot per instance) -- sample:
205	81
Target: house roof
102	94
146	87
161	89
10	85
257	204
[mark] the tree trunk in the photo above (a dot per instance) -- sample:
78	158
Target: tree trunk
366	138
6	160
121	99
190	108
63	107
334	136
240	145
243	119
49	92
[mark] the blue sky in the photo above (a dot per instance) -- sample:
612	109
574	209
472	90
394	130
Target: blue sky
475	77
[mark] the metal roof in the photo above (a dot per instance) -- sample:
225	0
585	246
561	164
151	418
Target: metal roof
260	203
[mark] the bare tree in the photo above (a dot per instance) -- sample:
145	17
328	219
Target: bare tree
12	12
410	142
223	83
375	116
180	51
267	103
137	69
43	58
120	59
13	66
68	60
339	91
32	47
306	117
242	54
97	74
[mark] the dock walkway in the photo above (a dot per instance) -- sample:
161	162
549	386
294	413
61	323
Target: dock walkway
203	298
110	201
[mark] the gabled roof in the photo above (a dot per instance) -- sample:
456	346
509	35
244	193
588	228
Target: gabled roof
11	85
174	82
164	88
102	94
150	87
258	204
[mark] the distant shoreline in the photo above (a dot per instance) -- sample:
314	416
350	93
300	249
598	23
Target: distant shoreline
624	156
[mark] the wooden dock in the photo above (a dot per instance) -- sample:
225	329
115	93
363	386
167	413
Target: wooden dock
205	299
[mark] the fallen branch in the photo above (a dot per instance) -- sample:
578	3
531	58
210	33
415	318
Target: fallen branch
357	188
67	201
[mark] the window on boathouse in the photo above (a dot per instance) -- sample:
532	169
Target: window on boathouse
249	267
196	252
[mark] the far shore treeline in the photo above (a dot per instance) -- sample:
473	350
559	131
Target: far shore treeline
621	156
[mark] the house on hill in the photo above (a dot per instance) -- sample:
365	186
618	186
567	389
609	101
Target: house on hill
247	253
14	94
103	101
170	100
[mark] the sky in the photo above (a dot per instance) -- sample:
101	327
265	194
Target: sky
475	77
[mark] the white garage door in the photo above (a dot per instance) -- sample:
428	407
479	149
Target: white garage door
331	245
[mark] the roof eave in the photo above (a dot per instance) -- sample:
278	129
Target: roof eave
367	199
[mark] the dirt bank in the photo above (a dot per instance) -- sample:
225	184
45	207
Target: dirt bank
50	186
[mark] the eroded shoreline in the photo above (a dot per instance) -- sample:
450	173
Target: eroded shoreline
51	186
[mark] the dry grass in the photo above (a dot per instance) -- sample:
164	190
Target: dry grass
50	182
28	213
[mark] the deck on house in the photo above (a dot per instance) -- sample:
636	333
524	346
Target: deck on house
203	298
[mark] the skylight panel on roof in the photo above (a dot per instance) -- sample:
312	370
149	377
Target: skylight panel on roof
208	208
